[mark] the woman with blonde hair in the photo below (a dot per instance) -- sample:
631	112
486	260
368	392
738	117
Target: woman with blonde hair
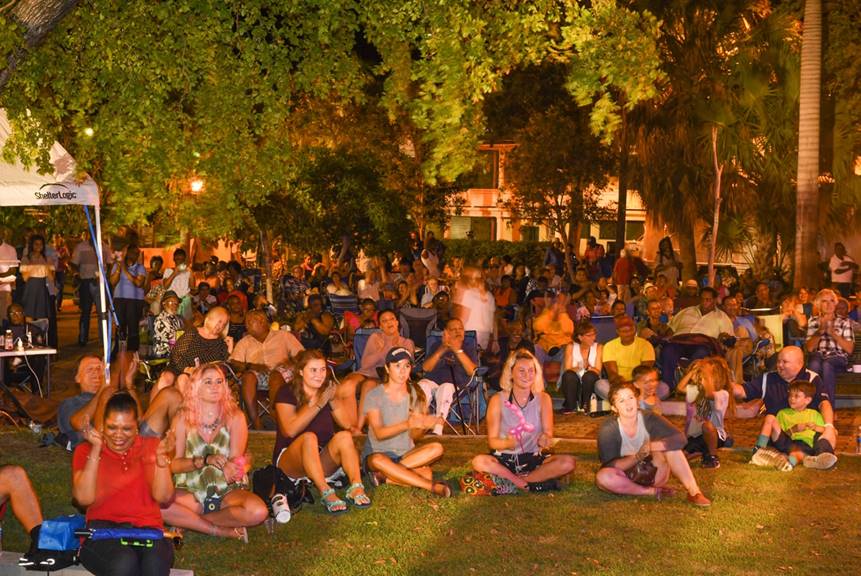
520	429
210	465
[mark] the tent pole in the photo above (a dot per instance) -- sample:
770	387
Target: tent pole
103	315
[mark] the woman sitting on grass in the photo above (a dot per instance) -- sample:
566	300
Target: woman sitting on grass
628	438
122	478
396	418
209	469
520	429
306	443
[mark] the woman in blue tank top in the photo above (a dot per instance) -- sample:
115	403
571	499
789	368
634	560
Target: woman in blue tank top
520	429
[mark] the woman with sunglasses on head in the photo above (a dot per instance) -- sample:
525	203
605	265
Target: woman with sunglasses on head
306	443
122	479
396	418
211	462
520	429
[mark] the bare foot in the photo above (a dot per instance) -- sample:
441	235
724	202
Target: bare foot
441	489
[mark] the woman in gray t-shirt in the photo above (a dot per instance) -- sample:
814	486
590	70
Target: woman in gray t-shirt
396	417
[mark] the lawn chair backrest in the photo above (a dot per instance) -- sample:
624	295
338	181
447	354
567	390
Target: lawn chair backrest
360	340
340	304
434	341
416	324
605	328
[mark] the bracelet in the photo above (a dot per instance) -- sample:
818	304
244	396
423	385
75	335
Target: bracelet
829	425
205	458
96	459
459	351
163	465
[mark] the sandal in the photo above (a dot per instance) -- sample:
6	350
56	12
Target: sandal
445	492
356	496
333	506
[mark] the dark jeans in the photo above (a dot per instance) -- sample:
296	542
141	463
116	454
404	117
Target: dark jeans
578	390
672	352
129	313
88	296
828	368
111	558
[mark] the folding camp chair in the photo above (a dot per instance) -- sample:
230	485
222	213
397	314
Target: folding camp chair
605	328
360	340
469	398
416	324
261	397
339	304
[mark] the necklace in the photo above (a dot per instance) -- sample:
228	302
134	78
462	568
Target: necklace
210	427
513	397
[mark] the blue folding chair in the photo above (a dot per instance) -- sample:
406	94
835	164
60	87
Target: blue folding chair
360	340
469	404
339	304
605	328
416	324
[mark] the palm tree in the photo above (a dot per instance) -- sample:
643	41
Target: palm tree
807	199
725	63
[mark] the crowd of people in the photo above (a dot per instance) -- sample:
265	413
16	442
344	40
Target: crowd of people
612	337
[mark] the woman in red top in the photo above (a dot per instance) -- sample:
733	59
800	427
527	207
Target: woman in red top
122	479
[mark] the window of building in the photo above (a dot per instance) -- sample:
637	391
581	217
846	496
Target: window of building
634	230
607	230
486	173
480	228
529	233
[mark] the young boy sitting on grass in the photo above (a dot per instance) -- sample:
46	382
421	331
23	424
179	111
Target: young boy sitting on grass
793	432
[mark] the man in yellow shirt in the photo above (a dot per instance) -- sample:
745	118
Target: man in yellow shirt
623	354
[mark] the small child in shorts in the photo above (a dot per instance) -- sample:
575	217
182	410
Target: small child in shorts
793	432
707	388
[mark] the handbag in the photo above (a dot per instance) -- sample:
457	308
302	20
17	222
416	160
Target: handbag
643	472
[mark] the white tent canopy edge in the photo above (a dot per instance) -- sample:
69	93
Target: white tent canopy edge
21	186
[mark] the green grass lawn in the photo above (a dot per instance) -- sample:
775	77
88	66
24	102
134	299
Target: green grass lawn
761	522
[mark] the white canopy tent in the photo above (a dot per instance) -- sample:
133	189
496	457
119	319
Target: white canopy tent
20	186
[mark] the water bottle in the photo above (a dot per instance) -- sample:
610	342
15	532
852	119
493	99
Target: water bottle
858	441
280	508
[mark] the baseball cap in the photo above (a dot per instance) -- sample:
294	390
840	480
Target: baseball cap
397	354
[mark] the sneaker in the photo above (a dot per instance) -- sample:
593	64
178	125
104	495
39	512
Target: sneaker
770	458
544	486
710	461
280	508
699	500
568	411
824	461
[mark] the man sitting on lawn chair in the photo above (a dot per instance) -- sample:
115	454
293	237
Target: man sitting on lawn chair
258	354
448	367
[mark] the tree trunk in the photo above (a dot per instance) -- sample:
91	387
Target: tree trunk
716	221
807	198
622	208
688	251
39	17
